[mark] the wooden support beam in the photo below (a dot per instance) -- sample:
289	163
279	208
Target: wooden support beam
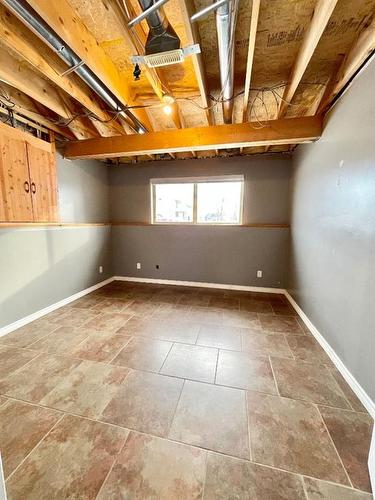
65	22
357	55
320	18
27	46
283	131
187	9
250	55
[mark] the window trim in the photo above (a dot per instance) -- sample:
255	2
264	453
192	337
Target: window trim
195	181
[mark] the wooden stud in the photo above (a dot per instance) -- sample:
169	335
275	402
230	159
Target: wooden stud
250	55
282	131
357	55
320	18
187	9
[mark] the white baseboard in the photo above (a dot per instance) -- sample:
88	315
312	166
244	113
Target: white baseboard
42	312
365	399
200	284
371	461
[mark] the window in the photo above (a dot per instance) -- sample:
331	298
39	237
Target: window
202	200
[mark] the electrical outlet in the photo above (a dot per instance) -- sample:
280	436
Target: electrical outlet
157	266
100	269
259	274
139	265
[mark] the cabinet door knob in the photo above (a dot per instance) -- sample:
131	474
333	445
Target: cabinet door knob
33	187
26	187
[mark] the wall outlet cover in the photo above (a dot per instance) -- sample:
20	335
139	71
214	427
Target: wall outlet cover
100	269
259	274
139	265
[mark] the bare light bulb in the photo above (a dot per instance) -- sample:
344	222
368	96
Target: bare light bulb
167	109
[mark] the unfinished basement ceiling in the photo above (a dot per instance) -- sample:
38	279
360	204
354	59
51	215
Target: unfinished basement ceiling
31	72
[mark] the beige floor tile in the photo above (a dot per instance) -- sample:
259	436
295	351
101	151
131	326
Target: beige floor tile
265	344
141	309
177	313
212	417
171	330
241	370
191	362
321	490
348	393
256	306
29	334
224	303
78	317
36	379
112	305
146	402
310	382
351	432
231	478
109	322
22	426
283	309
223	337
87	301
143	354
71	462
282	324
87	389
206	315
12	358
100	346
194	300
154	468
291	435
306	348
242	319
61	341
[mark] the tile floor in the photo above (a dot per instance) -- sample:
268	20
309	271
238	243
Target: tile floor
163	392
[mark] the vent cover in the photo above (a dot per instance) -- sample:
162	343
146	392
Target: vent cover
166	58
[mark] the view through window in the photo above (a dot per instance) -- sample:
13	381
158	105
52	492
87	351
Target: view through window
216	200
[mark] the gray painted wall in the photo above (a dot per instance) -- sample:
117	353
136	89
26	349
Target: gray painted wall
213	254
265	193
332	271
40	266
83	190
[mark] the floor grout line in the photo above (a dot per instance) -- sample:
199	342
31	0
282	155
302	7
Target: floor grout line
248	426
274	376
334	446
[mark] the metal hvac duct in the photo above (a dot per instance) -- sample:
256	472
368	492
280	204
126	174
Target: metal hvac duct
34	21
225	25
161	36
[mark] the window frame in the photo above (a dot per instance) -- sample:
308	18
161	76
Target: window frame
195	181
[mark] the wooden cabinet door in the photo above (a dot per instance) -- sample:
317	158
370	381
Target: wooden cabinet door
43	185
15	197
